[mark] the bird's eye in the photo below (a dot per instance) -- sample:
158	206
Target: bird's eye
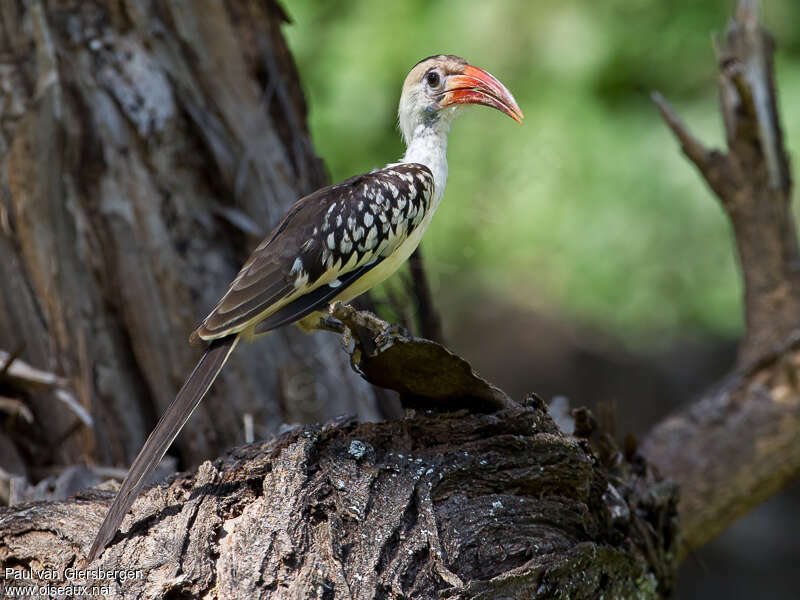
432	79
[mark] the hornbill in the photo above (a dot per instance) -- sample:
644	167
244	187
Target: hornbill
331	246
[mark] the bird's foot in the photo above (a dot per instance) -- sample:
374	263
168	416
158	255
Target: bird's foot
332	324
367	327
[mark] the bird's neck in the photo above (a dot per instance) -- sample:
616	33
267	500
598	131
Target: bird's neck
428	146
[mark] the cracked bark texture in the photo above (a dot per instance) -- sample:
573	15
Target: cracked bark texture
146	147
456	505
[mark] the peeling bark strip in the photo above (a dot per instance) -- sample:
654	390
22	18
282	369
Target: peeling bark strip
454	506
126	126
738	445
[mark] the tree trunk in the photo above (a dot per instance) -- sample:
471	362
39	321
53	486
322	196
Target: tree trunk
146	148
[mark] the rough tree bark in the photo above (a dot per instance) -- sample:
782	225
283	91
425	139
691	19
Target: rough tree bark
441	505
490	502
146	148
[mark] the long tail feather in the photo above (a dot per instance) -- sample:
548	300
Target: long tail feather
163	435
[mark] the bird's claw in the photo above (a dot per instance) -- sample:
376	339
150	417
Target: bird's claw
332	324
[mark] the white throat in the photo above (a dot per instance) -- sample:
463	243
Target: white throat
428	146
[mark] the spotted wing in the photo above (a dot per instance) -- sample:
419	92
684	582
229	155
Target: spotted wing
325	243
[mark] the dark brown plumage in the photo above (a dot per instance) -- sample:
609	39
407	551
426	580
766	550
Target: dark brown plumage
323	238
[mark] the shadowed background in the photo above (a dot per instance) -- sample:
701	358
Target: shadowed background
580	255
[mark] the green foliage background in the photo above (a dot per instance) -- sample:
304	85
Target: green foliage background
588	211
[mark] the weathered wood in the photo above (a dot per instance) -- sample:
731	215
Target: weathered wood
145	148
753	182
464	506
424	373
738	445
732	449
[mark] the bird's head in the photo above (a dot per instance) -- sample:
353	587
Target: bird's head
439	86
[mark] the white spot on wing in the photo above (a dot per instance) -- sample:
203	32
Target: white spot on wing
301	281
297	266
331	241
372	238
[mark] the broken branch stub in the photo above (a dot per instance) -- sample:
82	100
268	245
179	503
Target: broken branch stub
425	374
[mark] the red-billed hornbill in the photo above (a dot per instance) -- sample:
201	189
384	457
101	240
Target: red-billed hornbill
331	246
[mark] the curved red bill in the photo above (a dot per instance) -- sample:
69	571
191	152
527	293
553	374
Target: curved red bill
476	86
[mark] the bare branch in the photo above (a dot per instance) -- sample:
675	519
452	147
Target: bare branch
748	13
690	145
429	321
732	449
738	444
17	369
16	408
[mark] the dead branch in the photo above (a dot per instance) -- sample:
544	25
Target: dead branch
430	325
738	445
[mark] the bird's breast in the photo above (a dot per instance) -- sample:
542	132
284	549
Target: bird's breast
393	261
